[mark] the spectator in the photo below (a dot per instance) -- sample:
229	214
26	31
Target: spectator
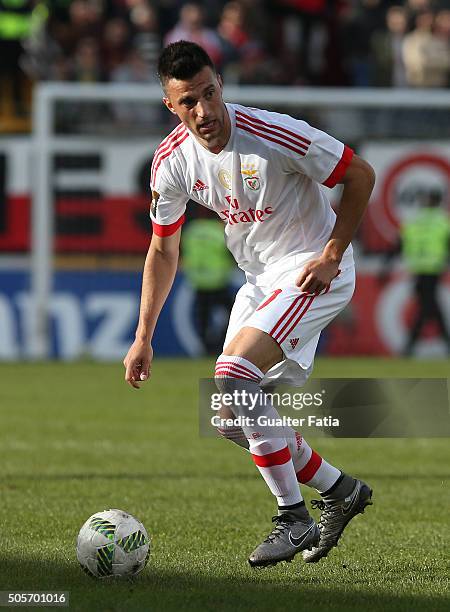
365	18
85	20
87	66
191	27
425	246
425	54
146	37
15	27
442	31
242	54
135	70
258	20
387	45
43	58
303	28
115	43
442	25
261	42
208	268
414	8
231	25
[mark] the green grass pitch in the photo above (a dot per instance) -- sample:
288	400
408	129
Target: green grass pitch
74	439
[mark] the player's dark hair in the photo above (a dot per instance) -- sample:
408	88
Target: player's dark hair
182	60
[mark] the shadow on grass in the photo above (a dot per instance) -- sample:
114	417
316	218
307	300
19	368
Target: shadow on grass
256	590
250	475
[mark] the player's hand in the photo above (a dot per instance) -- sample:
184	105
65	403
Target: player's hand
137	363
317	275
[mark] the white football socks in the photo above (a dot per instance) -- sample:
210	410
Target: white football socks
310	468
269	450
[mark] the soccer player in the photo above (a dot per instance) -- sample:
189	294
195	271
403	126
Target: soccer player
261	173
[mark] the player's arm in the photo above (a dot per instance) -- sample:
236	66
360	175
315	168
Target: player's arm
159	272
358	180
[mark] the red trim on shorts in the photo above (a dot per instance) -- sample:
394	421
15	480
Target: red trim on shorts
279	457
298	309
338	173
269	299
167	230
287	311
305	474
297	320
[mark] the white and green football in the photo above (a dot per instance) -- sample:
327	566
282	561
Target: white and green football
113	543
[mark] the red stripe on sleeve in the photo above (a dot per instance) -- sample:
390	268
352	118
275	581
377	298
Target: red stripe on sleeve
277	458
180	139
338	173
267	137
167	230
271	125
306	473
273	130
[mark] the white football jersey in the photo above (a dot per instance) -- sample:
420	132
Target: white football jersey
264	186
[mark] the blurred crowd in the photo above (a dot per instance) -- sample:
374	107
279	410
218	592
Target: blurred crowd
355	43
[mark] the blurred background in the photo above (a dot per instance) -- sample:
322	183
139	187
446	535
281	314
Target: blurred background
80	119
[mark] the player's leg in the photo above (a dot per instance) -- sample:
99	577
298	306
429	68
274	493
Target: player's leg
435	310
239	371
310	468
299	319
421	315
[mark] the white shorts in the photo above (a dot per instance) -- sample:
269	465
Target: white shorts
294	320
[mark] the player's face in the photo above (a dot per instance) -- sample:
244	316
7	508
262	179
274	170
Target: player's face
199	105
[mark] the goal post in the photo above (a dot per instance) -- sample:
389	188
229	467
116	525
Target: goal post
49	141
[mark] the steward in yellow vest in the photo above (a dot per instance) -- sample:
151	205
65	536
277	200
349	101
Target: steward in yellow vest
425	242
208	267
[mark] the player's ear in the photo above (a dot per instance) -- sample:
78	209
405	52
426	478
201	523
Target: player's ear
220	80
169	105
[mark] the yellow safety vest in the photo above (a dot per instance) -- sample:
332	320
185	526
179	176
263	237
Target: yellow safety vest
425	242
206	260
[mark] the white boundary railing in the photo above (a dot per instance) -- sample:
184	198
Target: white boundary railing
45	142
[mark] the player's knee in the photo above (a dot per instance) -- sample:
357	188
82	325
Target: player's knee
234	372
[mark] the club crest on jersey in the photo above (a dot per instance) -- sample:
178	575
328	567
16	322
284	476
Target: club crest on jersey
154	204
225	178
250	172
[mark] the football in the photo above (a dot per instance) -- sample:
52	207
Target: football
113	543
